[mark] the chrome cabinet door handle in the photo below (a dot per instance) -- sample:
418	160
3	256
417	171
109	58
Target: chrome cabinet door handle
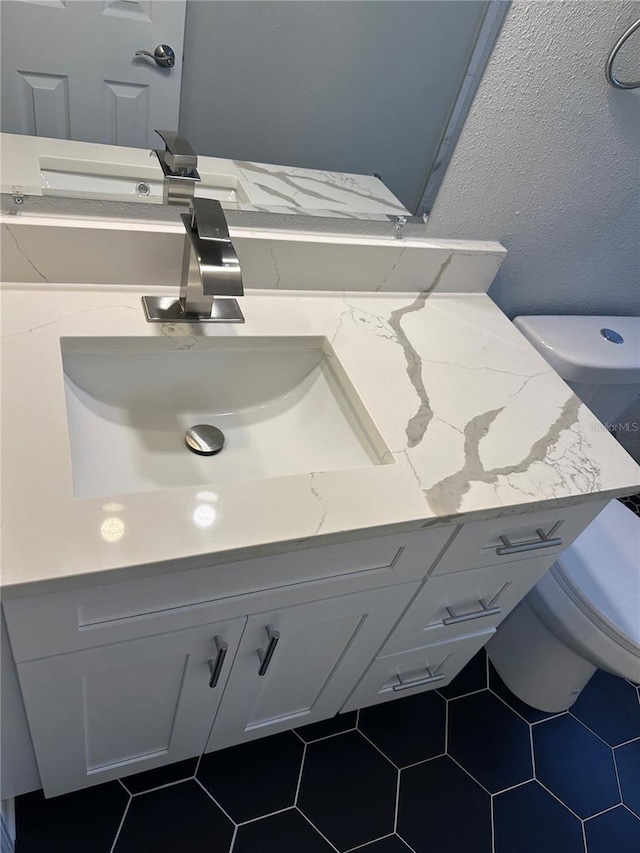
485	610
432	678
265	655
163	55
215	665
543	541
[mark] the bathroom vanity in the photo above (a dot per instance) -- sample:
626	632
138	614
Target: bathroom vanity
164	607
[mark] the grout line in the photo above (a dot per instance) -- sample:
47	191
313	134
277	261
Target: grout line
424	761
493	829
615	767
304	755
507	705
513	787
533	753
550	717
604	811
124	786
121	824
595	734
397	804
562	803
406	843
299	736
392	763
333	847
624	743
162	787
211	797
446	726
366	843
469	774
463	695
584	836
265	816
625	806
233	839
328	737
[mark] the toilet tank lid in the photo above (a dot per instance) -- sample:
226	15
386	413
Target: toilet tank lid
578	350
603	565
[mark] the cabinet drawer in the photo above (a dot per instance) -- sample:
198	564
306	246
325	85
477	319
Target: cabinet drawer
449	606
77	619
393	676
517	537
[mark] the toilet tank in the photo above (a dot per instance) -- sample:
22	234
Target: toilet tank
599	357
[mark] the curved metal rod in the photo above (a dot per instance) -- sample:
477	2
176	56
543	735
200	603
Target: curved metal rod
608	68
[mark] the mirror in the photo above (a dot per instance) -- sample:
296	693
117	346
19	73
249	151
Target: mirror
347	108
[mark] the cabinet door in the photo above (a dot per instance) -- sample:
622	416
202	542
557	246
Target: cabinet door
310	656
111	711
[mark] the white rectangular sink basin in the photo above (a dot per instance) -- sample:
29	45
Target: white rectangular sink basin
285	406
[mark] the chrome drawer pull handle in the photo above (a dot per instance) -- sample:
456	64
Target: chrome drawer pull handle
265	655
432	678
485	610
543	541
215	666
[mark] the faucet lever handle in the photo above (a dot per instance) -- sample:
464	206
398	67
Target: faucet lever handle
179	155
208	219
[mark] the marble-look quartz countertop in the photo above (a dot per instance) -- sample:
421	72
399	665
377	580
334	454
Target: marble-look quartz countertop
477	423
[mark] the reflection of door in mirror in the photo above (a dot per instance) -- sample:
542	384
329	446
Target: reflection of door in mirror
70	70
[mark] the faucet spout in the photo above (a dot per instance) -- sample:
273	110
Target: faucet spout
179	166
209	248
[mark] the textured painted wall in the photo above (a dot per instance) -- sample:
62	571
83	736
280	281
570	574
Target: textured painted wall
549	162
351	86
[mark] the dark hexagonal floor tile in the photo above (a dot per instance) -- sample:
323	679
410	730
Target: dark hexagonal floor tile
609	706
490	741
255	778
529	820
150	779
575	765
325	728
71	823
407	730
470	679
181	817
286	832
497	685
348	790
442	809
617	830
628	762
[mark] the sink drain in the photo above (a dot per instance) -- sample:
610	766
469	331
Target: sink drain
204	439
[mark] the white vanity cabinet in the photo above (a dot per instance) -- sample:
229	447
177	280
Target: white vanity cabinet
122	678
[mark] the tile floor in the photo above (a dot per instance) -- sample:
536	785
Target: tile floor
467	769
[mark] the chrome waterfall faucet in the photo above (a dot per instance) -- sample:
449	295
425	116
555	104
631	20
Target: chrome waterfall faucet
179	165
210	268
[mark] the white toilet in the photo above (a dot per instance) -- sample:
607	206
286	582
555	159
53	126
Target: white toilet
585	612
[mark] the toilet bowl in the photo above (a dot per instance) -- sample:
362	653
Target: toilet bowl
584	614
